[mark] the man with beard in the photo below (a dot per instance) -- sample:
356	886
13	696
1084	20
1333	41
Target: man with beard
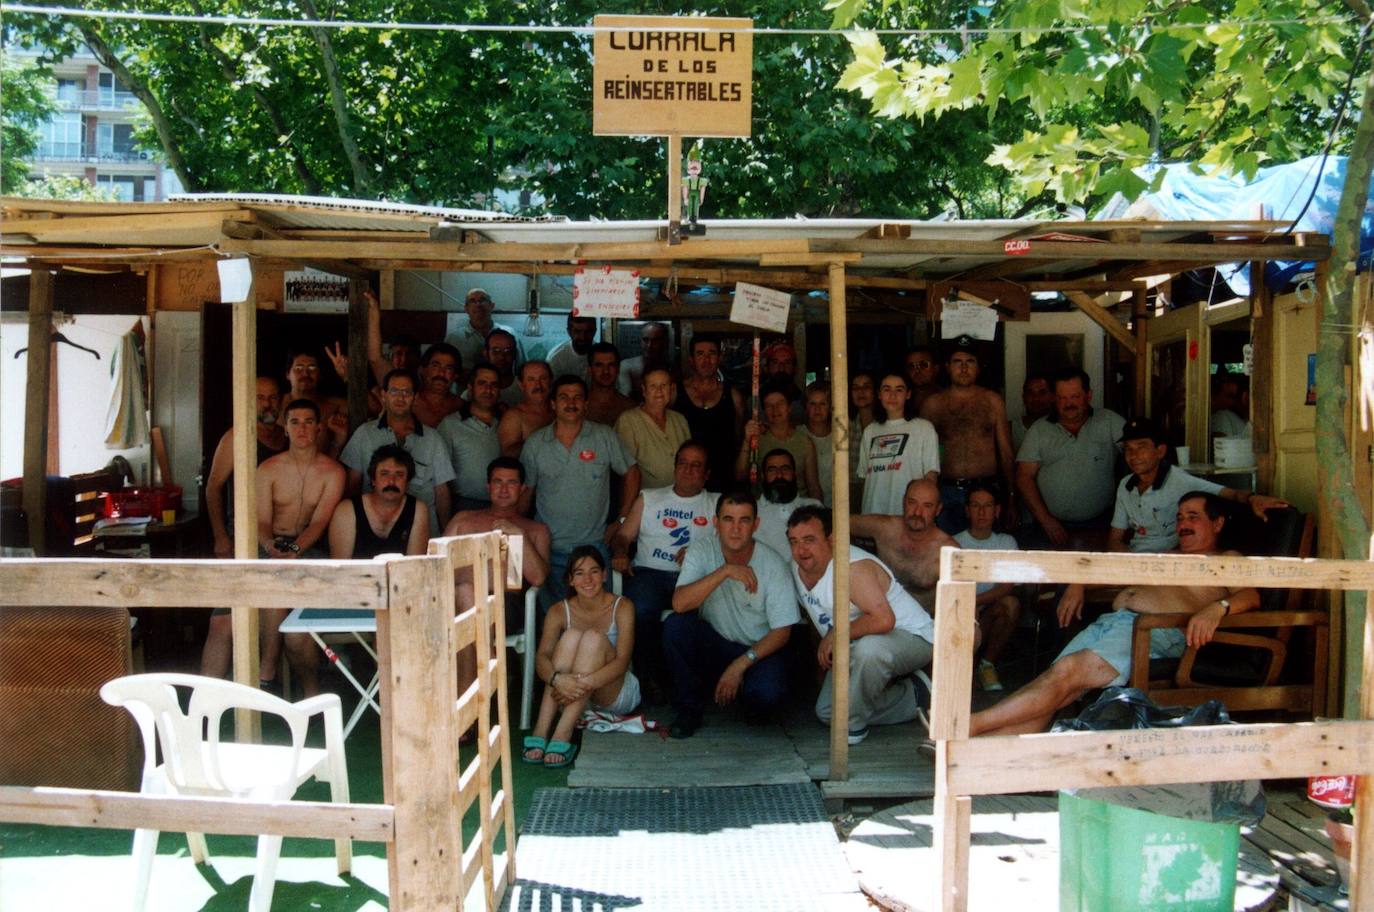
732	614
663	521
909	544
604	402
890	633
440	368
1100	656
214	658
471	439
385	521
398	425
780	497
570	356
532	413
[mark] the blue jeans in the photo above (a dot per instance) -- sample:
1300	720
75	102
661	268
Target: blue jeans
697	655
652	592
555	589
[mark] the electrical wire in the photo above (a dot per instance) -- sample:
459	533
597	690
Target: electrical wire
140	16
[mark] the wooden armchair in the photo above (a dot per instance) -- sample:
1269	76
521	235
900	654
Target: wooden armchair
1243	665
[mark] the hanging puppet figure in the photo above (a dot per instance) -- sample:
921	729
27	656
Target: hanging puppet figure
694	187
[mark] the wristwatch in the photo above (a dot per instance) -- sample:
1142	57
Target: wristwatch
751	655
1225	606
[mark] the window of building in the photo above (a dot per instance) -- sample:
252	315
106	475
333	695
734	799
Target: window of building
114	140
129	188
69	90
114	92
62	135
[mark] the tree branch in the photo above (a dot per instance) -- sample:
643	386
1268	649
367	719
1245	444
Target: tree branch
161	123
308	181
362	177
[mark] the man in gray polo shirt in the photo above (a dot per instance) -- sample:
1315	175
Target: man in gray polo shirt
1066	469
471	439
398	424
568	464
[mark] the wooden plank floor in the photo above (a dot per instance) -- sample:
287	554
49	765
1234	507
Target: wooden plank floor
886	765
1013	857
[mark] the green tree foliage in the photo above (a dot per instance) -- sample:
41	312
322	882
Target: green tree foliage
66	187
24	105
1111	86
448	117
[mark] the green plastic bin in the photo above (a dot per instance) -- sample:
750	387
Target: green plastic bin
1116	859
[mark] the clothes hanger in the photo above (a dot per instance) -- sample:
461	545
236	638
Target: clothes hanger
58	337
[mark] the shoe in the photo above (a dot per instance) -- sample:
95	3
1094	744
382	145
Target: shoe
273	687
926	748
564	749
533	752
683	727
987	676
857	737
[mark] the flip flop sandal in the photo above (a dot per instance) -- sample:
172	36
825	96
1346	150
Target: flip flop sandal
533	743
564	748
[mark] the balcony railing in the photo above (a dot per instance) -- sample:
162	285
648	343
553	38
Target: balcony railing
80	152
101	100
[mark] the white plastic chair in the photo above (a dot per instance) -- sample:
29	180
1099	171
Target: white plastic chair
524	645
196	762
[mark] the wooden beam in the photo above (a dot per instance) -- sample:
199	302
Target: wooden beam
130	225
244	621
1142	353
1072	250
1102	317
1362	851
1080	284
1034	763
949	722
516	252
357	354
36	399
839	669
178	813
1111	569
193	583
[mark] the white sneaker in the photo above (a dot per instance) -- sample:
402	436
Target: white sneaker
857	737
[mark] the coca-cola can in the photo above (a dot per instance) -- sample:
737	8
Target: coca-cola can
1332	791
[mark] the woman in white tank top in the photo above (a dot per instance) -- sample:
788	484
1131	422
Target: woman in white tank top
583	659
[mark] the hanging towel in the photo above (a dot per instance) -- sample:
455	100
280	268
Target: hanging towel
126	419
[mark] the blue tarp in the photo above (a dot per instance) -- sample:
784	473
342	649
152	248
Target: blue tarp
1281	189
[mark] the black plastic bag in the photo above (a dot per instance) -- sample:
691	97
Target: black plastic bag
1126	708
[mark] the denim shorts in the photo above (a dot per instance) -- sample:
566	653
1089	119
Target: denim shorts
1110	638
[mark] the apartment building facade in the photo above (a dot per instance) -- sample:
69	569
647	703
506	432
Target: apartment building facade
90	134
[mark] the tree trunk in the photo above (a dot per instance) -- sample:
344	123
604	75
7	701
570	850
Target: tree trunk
161	123
362	178
307	179
1335	470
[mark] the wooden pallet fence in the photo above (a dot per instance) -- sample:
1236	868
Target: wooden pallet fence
993	765
417	640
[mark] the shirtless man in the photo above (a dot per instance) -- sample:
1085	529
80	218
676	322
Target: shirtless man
974	436
605	403
303	373
439	369
1100	656
271	440
533	412
910	544
505	487
297	492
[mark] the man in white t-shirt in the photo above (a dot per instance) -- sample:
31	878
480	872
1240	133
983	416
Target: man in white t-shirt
660	524
998	608
890	633
733	613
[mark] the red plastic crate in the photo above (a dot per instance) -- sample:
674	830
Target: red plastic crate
141	501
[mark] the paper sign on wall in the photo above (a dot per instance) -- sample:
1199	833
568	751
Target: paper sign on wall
964	318
314	291
606	292
762	308
235	278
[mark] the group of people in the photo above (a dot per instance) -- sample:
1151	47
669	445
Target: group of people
717	522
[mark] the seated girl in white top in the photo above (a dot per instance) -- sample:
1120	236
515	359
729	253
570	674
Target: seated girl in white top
583	659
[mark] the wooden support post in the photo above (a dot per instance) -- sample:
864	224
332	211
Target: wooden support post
951	688
511	554
839	670
1262	376
674	186
36	399
1198	386
244	621
1102	317
1362	850
386	292
358	368
419	687
1142	354
488	584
